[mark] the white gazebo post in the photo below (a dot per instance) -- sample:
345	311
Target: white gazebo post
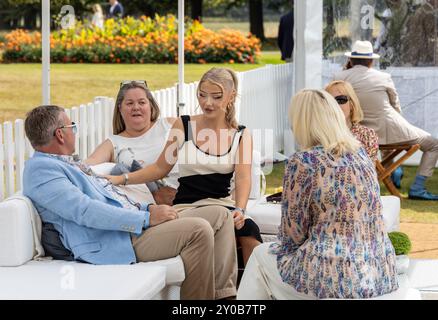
180	102
308	44
307	54
45	45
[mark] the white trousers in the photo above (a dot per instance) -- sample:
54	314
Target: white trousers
262	281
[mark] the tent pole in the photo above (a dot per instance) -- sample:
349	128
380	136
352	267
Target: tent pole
45	45
180	102
308	44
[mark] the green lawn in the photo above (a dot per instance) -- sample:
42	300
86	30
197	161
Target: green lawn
411	210
417	210
270	27
73	84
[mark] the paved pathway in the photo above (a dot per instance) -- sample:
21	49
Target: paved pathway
424	238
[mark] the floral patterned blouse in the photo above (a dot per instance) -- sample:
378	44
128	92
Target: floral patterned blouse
332	242
368	138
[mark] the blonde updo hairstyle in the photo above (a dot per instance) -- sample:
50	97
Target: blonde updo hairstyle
226	79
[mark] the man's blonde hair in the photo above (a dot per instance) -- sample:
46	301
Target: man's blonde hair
345	88
316	119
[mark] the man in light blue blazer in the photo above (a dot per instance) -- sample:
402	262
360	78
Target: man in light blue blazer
96	222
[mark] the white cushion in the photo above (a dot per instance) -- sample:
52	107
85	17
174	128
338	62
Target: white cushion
71	280
423	275
268	215
16	237
405	291
16	248
391	213
175	273
103	169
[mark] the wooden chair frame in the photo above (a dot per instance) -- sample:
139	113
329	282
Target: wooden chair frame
387	165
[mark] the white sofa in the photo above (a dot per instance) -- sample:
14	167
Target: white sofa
24	278
268	218
21	277
268	215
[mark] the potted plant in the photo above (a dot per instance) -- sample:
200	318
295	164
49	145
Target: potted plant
402	246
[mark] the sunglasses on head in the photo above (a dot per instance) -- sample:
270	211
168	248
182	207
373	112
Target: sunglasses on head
341	99
137	82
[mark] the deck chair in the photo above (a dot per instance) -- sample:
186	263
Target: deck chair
386	166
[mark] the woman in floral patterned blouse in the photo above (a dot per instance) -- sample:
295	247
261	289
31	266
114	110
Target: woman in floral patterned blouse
347	99
332	241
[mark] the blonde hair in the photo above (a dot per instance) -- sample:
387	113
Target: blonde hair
346	88
97	8
317	120
118	122
226	79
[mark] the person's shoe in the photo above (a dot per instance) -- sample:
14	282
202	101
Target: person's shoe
396	177
422	195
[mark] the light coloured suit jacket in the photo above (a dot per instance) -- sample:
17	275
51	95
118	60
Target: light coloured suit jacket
93	225
380	104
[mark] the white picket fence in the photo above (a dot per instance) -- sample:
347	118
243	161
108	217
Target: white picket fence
263	98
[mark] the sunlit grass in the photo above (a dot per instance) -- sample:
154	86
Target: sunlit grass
411	210
74	84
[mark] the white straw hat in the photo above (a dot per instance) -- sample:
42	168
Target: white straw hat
362	50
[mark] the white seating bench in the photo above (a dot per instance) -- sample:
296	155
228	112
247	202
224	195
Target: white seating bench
268	215
422	274
40	280
23	278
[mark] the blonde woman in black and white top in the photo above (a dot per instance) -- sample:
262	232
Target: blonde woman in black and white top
210	148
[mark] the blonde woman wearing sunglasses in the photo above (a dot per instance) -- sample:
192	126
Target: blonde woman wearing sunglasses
139	136
347	100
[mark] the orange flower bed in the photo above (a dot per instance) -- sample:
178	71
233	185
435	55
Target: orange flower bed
130	40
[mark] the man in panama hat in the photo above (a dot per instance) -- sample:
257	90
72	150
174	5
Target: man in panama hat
381	107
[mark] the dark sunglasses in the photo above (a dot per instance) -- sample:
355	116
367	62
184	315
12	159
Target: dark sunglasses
137	82
341	99
73	126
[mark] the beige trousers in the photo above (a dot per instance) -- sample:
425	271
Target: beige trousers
225	254
193	239
429	146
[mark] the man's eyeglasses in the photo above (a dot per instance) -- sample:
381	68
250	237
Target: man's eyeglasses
73	126
137	82
341	99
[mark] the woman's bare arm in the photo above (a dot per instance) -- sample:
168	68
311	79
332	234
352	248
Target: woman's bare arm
164	163
103	153
243	170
